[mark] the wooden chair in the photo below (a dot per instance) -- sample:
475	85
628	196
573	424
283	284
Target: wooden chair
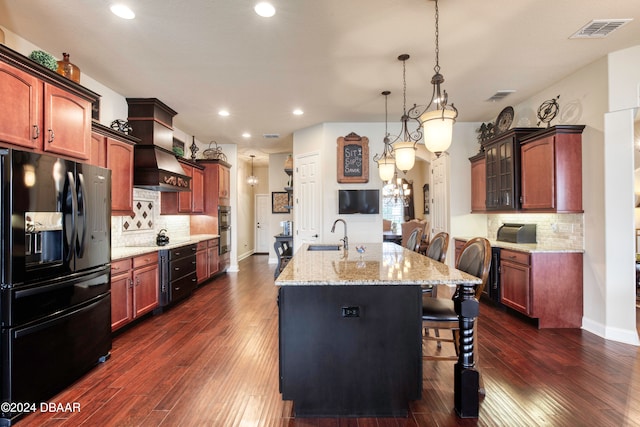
284	254
437	249
439	313
386	225
407	229
413	241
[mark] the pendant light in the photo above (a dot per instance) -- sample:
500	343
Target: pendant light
405	147
437	122
252	179
386	161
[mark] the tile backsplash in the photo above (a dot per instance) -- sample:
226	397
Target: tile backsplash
141	228
551	229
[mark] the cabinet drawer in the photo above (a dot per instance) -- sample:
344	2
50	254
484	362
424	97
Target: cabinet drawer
183	287
213	242
146	259
202	245
514	256
182	252
120	266
182	266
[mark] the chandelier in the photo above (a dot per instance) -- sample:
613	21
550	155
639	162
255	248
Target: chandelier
252	179
397	190
404	146
386	161
438	121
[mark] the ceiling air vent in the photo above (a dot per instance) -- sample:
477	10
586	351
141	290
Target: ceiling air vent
599	28
271	135
499	95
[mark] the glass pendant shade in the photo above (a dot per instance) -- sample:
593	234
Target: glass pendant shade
386	168
252	179
405	153
438	129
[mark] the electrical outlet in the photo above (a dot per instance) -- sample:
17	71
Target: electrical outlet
554	227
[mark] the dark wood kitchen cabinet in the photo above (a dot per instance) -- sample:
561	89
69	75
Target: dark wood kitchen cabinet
186	202
502	162
134	288
224	185
216	173
478	183
543	285
552	170
41	110
114	150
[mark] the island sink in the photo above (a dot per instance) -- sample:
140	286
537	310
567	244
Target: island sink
323	248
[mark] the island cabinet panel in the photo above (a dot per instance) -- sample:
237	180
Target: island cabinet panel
350	350
543	285
552	170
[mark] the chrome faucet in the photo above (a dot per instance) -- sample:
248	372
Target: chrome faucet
345	240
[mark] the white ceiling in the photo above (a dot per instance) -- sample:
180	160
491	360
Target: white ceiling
331	58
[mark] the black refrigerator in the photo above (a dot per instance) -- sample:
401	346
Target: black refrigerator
55	302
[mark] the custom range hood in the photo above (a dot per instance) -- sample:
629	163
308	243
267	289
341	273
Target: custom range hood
156	166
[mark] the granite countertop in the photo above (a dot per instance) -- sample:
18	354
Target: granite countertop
129	251
380	264
529	247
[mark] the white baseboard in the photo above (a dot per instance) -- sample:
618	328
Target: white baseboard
624	336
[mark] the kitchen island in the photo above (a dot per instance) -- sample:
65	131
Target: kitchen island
350	331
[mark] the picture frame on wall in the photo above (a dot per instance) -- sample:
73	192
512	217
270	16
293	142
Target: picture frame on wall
279	202
425	191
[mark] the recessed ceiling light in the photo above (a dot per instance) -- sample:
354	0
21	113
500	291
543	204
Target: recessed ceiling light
122	11
246	135
265	9
223	113
298	112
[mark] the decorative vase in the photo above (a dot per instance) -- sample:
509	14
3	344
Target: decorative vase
68	69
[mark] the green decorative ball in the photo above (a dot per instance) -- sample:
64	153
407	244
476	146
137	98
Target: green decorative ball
45	59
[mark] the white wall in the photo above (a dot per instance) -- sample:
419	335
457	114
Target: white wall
462	222
323	139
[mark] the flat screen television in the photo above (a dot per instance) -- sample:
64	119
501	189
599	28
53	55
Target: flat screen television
358	201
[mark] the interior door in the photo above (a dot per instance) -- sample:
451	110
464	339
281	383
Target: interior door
262	223
307	199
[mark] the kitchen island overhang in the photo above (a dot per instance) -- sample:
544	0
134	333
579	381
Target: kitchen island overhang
351	329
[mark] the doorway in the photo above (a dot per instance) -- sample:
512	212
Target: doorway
262	214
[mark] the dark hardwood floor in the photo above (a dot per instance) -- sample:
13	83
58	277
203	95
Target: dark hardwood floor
213	361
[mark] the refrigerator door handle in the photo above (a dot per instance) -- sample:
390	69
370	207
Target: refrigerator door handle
82	209
74	216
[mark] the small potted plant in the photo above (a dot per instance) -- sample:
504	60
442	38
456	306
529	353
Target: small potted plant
45	59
